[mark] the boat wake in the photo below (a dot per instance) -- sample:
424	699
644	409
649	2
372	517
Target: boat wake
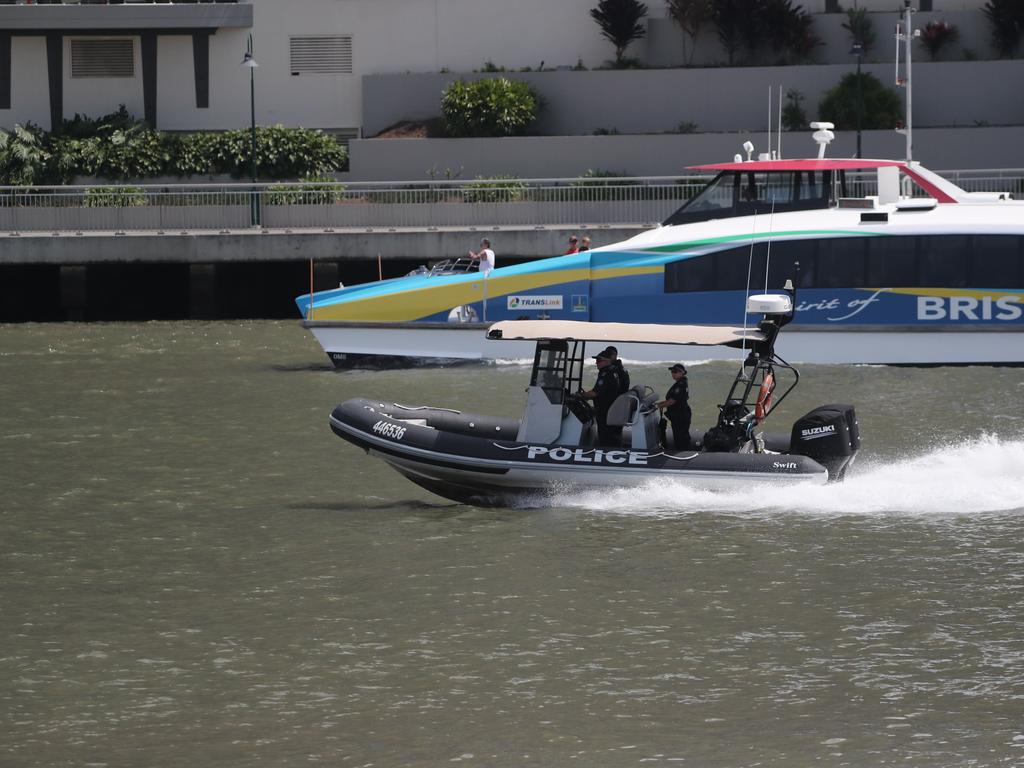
974	476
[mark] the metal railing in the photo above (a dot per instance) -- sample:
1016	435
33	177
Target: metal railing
509	203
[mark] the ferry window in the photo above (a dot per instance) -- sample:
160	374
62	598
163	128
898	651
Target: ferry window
996	261
715	200
840	263
944	261
792	260
693	274
732	267
767	188
892	262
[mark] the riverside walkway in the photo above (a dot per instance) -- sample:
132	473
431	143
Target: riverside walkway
214	223
244	250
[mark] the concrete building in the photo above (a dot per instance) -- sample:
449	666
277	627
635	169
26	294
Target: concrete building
178	64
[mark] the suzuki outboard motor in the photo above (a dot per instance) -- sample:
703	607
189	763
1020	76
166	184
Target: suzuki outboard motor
830	435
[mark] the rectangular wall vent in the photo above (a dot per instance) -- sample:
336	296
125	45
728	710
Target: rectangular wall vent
103	58
321	55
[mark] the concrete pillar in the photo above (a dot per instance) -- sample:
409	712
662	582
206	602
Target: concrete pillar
325	275
74	291
202	291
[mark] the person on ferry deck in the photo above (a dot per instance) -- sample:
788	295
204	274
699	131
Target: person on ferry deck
677	408
585	244
606	389
573	245
485	256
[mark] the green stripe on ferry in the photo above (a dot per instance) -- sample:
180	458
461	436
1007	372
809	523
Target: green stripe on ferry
675	247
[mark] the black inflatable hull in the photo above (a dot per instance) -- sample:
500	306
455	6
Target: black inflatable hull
477	459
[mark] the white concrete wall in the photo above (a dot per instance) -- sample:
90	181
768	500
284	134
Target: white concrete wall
30	98
571	156
717	99
95	96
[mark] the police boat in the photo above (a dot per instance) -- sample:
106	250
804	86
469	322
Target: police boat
487	460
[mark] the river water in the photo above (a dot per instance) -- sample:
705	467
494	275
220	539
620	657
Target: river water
196	571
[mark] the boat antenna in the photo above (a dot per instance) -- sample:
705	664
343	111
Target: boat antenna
750	262
768	259
769	122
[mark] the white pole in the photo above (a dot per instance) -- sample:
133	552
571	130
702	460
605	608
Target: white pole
909	32
778	154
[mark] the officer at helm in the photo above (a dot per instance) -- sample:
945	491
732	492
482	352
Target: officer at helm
607	387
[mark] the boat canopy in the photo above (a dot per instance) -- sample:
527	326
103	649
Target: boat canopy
576	330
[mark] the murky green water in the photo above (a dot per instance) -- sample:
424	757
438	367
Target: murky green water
195	570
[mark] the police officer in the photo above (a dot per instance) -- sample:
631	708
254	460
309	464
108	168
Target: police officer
677	407
606	389
622	373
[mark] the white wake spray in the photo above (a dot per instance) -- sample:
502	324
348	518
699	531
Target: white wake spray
984	474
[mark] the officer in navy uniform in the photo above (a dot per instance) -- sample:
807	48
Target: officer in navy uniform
617	364
606	389
677	407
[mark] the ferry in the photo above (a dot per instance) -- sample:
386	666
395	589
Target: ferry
919	273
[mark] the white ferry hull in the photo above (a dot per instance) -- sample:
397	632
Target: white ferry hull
348	344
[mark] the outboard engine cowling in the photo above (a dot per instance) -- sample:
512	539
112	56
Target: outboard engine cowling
830	435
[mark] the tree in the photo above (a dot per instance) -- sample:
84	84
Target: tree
861	30
691	16
1007	20
619	21
882	106
788	30
739	25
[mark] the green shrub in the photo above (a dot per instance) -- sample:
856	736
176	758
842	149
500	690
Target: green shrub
313	191
117	147
489	107
494	189
936	35
598	184
113	197
882	107
793	116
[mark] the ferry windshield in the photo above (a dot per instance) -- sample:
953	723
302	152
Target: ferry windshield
737	193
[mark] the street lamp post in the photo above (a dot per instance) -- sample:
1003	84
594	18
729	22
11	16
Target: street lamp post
250	62
858	51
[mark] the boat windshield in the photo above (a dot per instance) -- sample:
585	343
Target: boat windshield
557	368
738	193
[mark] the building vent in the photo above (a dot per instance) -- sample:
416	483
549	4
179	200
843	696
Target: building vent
103	58
321	55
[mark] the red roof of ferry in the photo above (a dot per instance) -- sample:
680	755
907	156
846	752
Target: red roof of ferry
814	164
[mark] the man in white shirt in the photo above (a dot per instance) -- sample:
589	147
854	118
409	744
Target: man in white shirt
485	256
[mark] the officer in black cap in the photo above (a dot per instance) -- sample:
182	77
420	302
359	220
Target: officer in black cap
617	364
606	389
677	407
